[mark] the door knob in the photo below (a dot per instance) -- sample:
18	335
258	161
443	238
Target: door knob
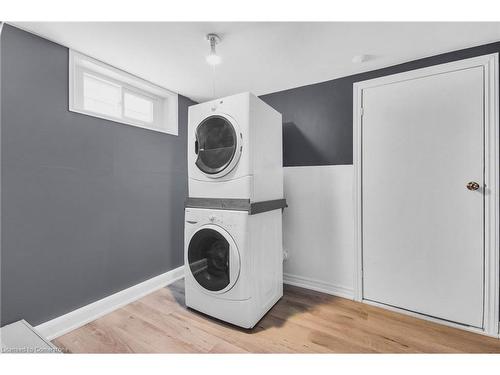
472	185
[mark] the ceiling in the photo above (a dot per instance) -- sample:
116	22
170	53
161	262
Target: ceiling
259	57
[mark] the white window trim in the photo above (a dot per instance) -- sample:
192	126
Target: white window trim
80	63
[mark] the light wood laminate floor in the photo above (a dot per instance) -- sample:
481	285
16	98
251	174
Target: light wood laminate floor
303	321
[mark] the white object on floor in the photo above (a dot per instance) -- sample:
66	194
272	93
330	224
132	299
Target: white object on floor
233	263
21	338
235	149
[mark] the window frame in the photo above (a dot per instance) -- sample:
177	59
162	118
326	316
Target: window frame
165	112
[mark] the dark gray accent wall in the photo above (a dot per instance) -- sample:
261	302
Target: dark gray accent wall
317	119
89	206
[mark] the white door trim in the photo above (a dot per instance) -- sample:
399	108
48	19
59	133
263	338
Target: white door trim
491	178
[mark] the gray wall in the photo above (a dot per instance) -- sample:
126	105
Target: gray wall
317	119
89	206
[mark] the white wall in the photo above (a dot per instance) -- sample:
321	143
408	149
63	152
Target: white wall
319	228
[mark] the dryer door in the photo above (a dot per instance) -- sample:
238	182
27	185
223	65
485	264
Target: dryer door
218	145
213	259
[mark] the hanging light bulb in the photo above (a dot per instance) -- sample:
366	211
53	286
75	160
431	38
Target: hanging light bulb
213	59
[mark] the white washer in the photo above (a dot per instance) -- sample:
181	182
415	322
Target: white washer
233	263
235	149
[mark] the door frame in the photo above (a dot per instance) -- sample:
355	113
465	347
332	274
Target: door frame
491	178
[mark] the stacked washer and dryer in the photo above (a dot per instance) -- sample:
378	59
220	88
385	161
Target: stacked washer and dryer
233	218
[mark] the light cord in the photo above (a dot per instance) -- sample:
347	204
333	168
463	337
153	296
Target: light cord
213	81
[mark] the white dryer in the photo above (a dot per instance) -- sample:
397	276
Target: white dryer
233	263
235	149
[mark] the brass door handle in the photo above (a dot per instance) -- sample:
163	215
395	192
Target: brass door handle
472	185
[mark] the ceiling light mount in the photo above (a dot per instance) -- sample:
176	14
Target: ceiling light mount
214	39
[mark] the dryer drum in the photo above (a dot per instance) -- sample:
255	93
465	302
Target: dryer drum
215	144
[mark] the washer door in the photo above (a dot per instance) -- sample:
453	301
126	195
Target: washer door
218	145
213	259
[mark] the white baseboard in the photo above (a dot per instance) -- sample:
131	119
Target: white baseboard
318	285
79	317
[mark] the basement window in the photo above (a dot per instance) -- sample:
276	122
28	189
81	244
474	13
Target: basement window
100	90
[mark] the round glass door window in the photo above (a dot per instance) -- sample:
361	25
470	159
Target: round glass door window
209	259
216	143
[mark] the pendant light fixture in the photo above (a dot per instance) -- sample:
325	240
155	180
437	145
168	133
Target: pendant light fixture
212	58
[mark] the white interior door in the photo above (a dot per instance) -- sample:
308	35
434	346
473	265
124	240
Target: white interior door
422	228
